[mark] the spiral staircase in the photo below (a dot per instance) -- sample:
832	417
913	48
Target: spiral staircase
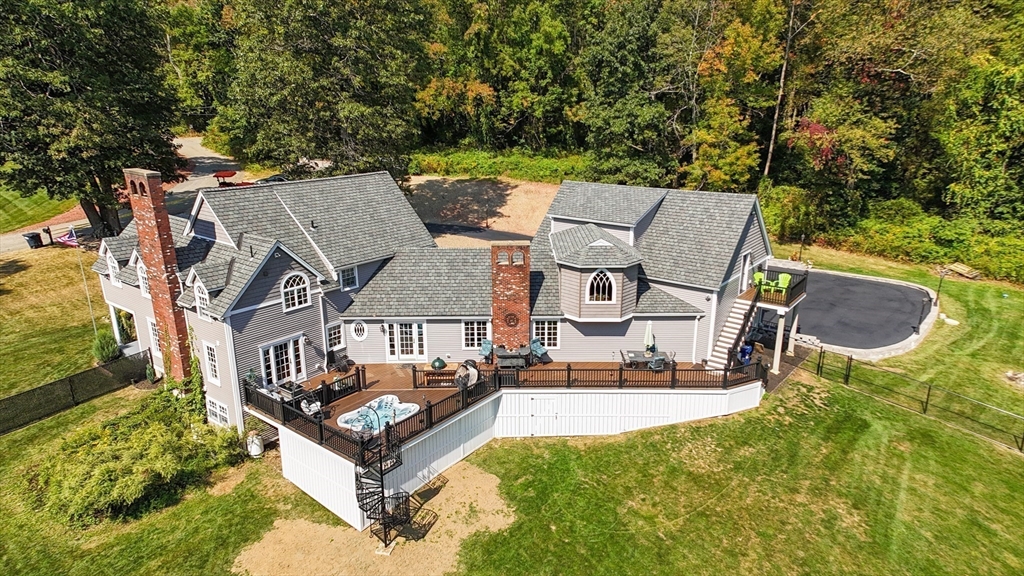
389	512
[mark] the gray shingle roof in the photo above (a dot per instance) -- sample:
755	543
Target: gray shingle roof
693	236
604	202
590	246
226	271
358	218
653	300
544	297
421	282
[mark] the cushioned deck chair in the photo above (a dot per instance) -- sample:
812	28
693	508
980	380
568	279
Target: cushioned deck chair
486	349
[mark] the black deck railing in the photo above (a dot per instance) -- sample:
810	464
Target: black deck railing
782	297
363	450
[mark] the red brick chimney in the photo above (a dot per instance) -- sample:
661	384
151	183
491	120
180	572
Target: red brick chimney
510	293
156	246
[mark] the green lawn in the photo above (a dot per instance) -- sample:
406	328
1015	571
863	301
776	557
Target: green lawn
818	480
201	535
17	212
971	358
45	328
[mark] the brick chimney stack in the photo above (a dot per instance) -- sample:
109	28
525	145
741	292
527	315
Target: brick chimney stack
156	246
510	293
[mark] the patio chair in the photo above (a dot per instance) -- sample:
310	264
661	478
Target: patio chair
538	352
625	361
657	364
312	409
337	360
758	279
486	349
782	285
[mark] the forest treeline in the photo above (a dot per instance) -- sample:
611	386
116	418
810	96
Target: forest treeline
889	126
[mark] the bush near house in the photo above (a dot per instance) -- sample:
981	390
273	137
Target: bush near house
105	347
139	461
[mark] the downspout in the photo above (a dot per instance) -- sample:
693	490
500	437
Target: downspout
711	328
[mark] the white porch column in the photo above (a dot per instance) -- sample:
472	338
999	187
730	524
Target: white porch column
792	331
113	324
779	335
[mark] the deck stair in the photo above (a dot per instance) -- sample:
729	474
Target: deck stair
738	322
389	512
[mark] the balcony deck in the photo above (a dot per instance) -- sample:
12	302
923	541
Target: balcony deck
778	298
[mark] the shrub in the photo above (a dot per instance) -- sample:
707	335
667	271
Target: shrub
105	347
515	164
150	373
131	464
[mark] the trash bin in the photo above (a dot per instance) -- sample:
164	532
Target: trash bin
34	240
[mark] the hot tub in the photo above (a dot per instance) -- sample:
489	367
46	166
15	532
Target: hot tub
387	408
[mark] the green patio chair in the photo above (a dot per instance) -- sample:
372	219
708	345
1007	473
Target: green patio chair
758	279
782	284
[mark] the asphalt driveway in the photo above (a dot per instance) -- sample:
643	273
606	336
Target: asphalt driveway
859	312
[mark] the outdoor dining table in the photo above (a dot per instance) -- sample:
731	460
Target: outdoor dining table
637	359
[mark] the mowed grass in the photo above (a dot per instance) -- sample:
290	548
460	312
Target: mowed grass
200	535
971	358
818	480
45	329
17	211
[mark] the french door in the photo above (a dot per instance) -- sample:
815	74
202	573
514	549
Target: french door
283	361
406	341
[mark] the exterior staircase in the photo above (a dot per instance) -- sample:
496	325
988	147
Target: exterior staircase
389	512
738	322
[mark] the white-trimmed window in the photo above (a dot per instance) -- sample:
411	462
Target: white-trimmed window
474	332
140	269
216	412
359	330
210	358
154	337
601	288
112	268
335	336
295	291
202	302
547	331
283	361
348	279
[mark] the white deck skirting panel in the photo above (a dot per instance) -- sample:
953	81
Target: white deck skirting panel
330	479
326	477
593	412
430	454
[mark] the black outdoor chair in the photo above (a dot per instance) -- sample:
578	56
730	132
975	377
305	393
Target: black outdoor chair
338	360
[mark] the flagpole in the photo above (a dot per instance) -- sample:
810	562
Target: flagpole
85	283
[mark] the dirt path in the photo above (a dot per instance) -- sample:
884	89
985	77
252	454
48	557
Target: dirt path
468	503
500	205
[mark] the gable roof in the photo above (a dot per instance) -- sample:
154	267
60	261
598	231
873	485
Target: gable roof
604	203
328	222
590	246
421	282
693	237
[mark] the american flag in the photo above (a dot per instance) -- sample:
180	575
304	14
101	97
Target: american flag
69	239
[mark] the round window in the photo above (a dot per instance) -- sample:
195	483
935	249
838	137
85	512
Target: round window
359	330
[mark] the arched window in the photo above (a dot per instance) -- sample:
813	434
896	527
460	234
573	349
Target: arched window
503	258
601	287
202	302
143	279
112	269
518	258
295	291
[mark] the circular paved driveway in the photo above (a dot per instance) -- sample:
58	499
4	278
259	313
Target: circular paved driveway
858	312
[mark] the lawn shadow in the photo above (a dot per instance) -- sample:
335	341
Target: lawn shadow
470	202
10	268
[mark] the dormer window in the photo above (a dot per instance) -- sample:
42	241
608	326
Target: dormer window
295	291
348	278
112	269
140	269
601	288
202	302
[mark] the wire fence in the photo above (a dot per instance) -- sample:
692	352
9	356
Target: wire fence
994	423
38	403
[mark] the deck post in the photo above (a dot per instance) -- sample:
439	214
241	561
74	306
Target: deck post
430	415
780	334
672	382
414	386
792	331
568	375
621	378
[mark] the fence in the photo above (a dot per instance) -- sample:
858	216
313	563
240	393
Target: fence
48	399
996	424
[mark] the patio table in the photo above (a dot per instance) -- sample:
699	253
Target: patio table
637	359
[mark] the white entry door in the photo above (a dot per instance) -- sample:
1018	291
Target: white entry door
406	341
